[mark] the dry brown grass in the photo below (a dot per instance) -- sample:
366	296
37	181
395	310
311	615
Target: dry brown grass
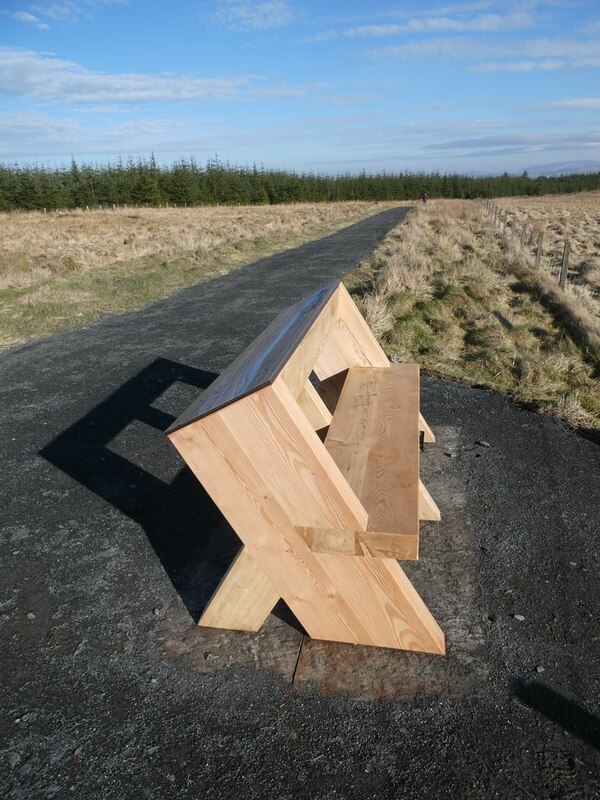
570	216
577	307
456	296
64	270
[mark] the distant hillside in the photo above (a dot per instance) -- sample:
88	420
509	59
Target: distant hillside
564	168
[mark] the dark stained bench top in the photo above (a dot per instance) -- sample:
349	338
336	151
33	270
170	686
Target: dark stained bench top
262	361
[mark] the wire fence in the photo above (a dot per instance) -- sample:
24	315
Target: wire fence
526	237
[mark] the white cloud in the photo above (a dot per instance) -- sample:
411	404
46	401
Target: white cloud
25	16
44	77
71	10
435	23
35	134
583	103
459	47
251	15
545	65
523	142
481	23
28	125
523	55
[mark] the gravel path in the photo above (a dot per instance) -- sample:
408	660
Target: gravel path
109	550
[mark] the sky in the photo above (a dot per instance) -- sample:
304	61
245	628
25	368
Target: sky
329	87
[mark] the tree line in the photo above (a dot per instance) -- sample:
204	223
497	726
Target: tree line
186	182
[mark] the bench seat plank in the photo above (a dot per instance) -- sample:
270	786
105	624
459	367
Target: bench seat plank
373	438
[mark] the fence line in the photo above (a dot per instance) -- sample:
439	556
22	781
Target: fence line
526	238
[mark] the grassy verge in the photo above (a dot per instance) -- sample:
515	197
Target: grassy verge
445	289
60	271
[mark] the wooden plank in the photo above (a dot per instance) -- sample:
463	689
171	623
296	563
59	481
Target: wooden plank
331	540
427	432
268	472
356	329
313	407
373	438
244	598
407	621
353	426
350	342
301	362
261	362
427	506
333	357
401	546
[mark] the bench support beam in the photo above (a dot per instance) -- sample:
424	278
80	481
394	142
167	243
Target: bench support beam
426	430
265	467
427	505
243	599
401	546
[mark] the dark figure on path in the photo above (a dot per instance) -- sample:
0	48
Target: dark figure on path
425	197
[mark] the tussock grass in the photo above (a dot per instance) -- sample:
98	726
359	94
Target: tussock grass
64	270
450	292
571	216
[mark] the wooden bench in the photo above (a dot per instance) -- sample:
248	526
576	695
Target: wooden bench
309	445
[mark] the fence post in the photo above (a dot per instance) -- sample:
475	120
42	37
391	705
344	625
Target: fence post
538	252
565	265
523	235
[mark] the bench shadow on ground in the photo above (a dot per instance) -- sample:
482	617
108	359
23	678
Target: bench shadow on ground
193	542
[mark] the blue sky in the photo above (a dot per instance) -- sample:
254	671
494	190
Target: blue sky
478	86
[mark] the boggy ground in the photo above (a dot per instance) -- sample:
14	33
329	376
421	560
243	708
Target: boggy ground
110	548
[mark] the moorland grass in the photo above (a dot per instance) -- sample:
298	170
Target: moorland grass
446	289
66	270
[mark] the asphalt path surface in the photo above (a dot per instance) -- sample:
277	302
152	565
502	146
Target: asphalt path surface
107	539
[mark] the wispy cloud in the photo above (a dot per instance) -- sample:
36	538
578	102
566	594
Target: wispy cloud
25	16
522	142
252	15
39	134
545	65
583	103
45	77
481	23
523	55
71	10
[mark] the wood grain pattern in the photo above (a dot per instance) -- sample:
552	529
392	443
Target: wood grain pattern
300	364
313	407
244	598
263	360
357	332
427	432
401	546
427	506
321	526
331	540
267	470
373	438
